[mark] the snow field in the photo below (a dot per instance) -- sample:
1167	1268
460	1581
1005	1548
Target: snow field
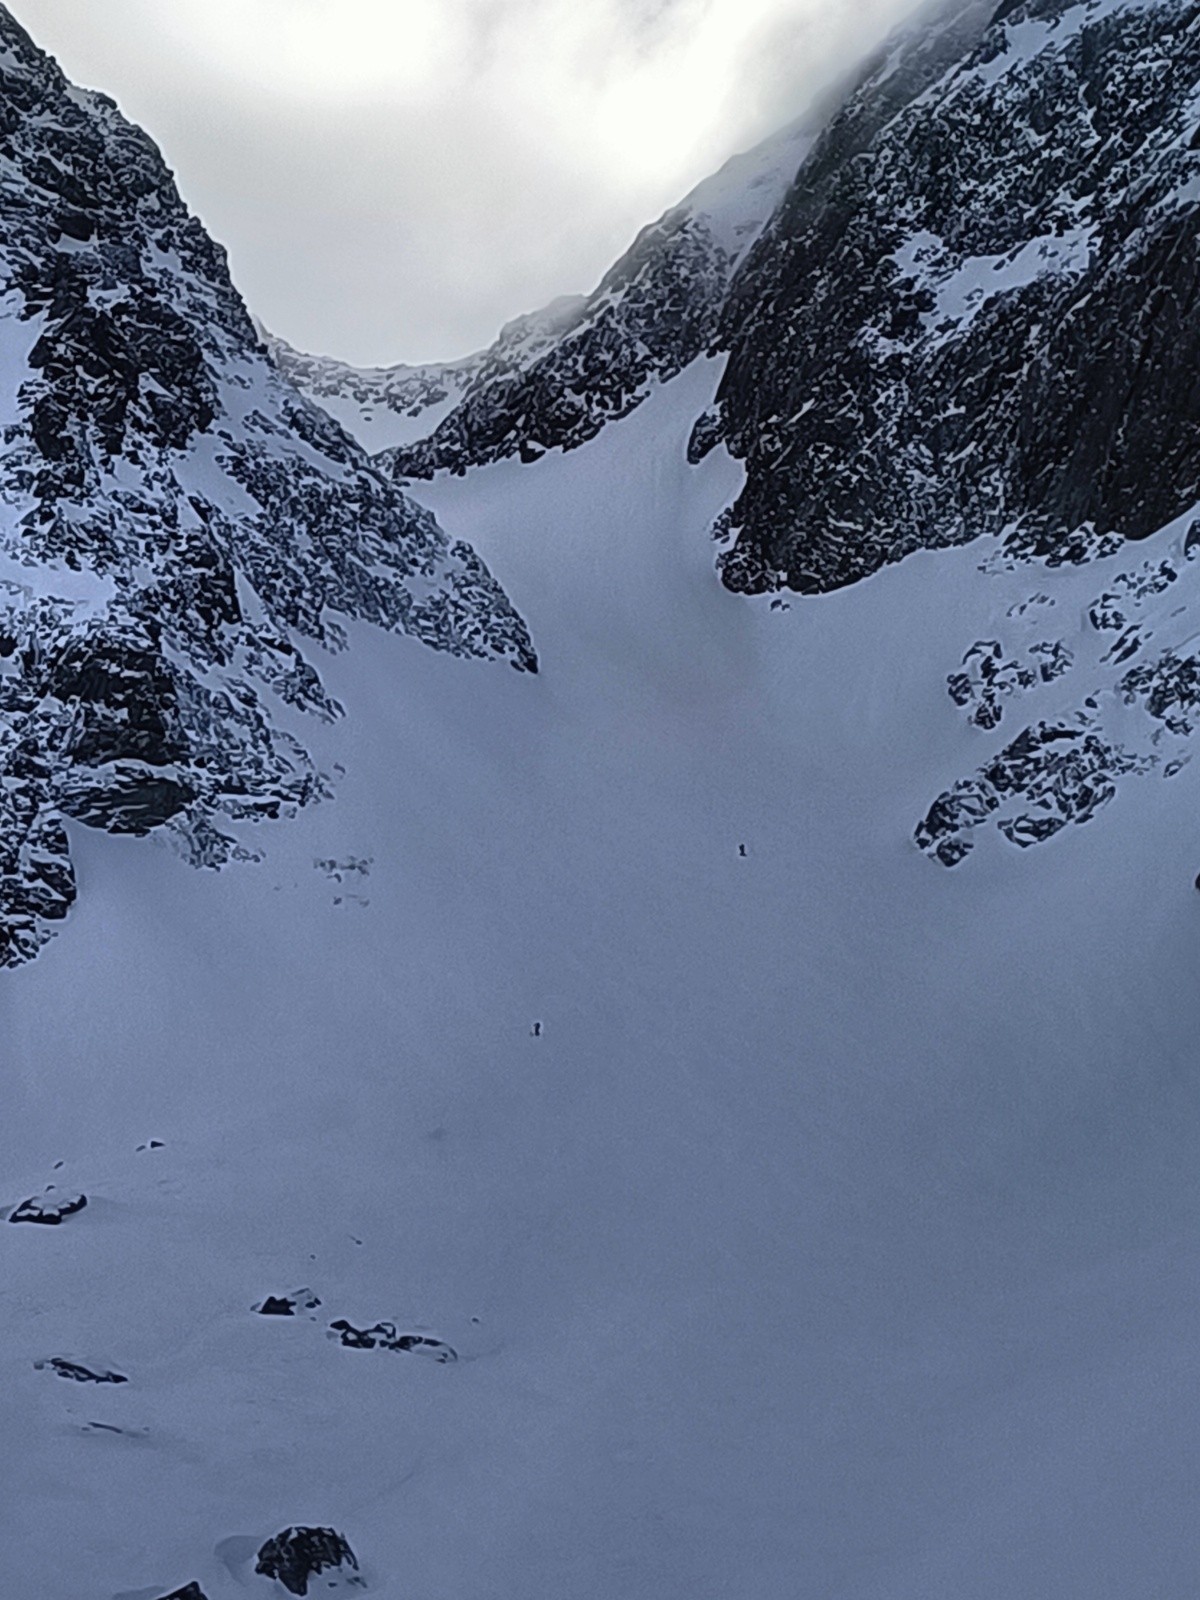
836	1237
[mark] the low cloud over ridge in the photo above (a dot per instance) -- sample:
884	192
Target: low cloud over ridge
395	178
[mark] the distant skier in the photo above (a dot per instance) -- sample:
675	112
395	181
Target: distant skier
537	1030
741	850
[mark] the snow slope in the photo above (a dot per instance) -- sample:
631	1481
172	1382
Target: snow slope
835	1238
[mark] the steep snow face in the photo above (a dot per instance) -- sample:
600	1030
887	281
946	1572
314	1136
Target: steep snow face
833	1236
554	378
174	520
975	311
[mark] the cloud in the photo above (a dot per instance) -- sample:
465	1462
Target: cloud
395	178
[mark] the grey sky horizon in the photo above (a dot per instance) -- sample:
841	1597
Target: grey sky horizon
395	179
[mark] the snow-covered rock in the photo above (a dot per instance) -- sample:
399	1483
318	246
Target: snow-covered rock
554	378
385	407
297	1555
177	526
49	1209
76	1372
974	312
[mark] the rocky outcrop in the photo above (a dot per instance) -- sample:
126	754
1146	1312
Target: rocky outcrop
553	379
1120	701
78	1373
298	1554
177	526
989	676
48	1209
976	310
285	1305
1053	773
276	1306
383	1336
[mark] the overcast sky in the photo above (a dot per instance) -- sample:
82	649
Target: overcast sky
396	178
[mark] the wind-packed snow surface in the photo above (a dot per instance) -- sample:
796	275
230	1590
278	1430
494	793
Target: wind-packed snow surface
832	1235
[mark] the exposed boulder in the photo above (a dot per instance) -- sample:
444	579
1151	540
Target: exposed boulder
384	1336
298	1554
276	1306
49	1209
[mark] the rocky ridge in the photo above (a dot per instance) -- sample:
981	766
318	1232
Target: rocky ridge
177	525
975	311
388	407
970	311
553	379
965	306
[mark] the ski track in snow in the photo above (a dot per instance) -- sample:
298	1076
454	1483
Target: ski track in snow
836	1235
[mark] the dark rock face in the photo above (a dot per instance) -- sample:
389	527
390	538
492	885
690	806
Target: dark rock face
298	1554
191	1591
176	524
654	312
976	310
48	1209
